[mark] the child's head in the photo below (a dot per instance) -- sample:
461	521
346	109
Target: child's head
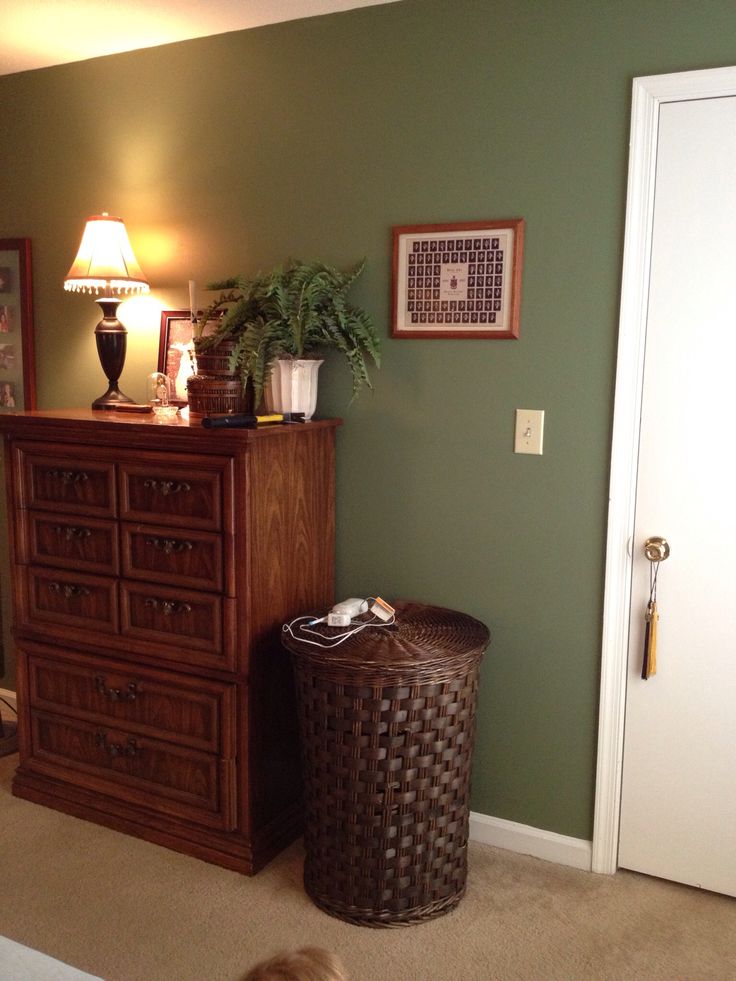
307	964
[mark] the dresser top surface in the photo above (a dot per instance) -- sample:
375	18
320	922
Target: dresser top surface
113	426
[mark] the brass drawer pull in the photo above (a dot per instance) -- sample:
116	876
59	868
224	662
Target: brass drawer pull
128	748
68	476
129	694
68	590
167	487
69	532
169	545
169	607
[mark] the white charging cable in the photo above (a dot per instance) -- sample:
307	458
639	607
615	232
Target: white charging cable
384	615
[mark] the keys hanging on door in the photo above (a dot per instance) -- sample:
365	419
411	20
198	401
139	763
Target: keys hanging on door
656	550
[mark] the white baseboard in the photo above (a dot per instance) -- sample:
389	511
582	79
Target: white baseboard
521	838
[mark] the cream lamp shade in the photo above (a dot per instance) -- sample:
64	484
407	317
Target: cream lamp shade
105	260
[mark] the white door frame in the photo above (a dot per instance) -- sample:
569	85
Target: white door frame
648	94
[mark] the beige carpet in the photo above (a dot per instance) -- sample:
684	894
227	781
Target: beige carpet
131	911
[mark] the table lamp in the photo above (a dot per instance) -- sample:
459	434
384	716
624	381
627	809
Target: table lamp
105	263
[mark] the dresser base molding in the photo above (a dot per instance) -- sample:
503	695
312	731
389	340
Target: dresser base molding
230	852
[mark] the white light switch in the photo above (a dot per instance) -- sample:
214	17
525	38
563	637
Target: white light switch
529	431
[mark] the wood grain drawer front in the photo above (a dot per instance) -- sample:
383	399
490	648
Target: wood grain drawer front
162	493
189	712
188	558
68	484
62	598
89	544
187	623
147	772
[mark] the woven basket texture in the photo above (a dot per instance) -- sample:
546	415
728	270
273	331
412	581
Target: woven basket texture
214	396
388	723
216	361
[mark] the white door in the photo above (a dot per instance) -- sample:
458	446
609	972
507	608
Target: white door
678	801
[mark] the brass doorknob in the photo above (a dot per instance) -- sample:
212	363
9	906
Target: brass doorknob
656	549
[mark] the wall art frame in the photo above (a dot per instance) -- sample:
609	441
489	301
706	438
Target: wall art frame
459	280
173	351
17	349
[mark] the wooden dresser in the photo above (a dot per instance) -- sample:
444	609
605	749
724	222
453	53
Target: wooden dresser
152	567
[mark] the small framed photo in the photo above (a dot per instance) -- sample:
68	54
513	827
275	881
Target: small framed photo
7	356
459	280
7	394
174	346
7	318
17	362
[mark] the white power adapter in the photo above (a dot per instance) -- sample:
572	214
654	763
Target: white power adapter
350	608
341	614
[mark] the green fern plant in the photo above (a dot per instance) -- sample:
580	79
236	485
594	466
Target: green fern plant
290	312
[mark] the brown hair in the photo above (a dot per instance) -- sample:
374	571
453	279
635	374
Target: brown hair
307	964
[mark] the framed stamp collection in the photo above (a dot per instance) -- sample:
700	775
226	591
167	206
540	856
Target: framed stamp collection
459	280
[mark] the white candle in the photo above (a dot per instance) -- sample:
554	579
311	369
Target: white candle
192	305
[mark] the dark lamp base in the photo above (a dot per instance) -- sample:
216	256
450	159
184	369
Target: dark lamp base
112	398
111	338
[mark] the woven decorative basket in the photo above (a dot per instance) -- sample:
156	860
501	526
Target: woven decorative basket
216	361
214	396
387	722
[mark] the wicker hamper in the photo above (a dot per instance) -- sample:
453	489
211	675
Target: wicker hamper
387	723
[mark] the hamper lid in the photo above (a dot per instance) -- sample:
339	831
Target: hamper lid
421	635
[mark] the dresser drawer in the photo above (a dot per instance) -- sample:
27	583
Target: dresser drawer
69	484
134	768
86	544
191	712
172	556
185	625
159	492
63	598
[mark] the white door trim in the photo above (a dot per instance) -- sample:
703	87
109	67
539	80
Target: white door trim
648	94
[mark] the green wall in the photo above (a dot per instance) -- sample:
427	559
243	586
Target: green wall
312	139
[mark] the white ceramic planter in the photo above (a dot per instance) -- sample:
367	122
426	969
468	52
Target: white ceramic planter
292	387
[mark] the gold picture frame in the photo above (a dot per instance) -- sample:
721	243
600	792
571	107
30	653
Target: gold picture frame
460	280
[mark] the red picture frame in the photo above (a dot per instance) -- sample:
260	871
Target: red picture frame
17	349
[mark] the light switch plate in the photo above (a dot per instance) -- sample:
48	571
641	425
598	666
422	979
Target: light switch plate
529	433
